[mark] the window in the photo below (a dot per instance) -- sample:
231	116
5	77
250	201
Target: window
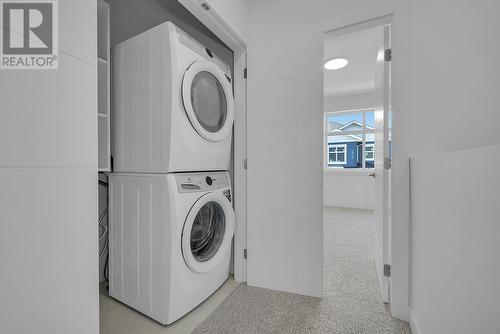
369	152
349	139
336	154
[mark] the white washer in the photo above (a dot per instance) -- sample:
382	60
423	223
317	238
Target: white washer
173	105
170	240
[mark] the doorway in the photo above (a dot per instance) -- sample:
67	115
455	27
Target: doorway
357	155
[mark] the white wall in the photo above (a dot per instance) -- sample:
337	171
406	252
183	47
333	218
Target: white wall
48	193
455	230
348	102
285	56
350	189
454	102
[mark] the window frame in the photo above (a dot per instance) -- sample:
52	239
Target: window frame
344	146
362	133
373	152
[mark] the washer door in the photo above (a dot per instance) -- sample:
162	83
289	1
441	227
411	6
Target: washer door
208	100
207	233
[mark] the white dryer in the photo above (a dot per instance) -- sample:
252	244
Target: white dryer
170	240
173	105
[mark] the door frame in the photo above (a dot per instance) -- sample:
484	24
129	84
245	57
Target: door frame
214	22
399	189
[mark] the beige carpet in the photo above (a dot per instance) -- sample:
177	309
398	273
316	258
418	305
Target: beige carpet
351	302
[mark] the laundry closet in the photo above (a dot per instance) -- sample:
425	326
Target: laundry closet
165	126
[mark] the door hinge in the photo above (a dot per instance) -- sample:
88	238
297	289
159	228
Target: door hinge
387	270
387	54
205	6
245	253
387	163
245	73
245	165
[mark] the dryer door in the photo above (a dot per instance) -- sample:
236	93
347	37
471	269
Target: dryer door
208	100
207	233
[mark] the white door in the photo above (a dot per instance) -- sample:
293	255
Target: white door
285	166
207	233
382	167
207	95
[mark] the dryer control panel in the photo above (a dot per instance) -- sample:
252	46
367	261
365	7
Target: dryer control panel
202	182
206	53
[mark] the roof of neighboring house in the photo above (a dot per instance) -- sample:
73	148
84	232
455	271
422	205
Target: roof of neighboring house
344	138
343	128
334	125
351	123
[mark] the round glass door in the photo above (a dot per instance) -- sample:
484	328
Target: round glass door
207	233
208	100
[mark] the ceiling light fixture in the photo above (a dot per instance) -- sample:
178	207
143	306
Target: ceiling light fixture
336	63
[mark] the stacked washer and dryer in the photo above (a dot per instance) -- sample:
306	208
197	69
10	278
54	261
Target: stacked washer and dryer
172	221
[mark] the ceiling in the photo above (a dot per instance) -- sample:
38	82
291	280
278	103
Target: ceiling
361	49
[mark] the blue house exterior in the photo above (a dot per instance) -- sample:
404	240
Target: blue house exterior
345	149
353	154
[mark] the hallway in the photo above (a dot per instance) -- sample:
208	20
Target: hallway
351	300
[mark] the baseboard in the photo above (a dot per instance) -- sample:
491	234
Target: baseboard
413	324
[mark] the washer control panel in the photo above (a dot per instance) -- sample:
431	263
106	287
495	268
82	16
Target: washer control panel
201	182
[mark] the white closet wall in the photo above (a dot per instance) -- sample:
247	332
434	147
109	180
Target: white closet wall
48	193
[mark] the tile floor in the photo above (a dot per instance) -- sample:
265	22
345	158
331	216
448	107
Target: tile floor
117	318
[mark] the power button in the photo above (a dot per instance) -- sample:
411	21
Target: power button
209	180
